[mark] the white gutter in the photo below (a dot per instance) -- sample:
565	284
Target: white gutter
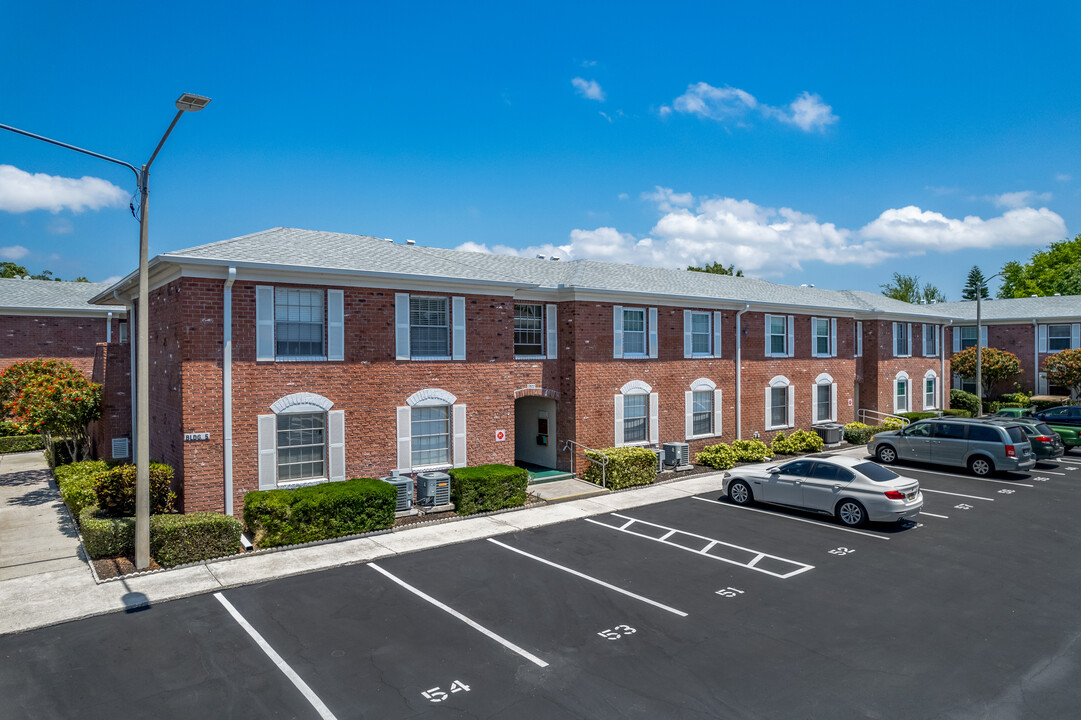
227	387
109	328
944	398
739	363
1035	357
131	371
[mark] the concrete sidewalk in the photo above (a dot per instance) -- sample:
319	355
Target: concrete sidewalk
70	593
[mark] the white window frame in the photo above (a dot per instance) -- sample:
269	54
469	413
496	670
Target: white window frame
1051	338
430	397
935	391
830	336
858	345
699	314
266	324
902	377
780	381
931	332
543	334
716	407
824	380
788	334
644	332
637	387
906	330
334	440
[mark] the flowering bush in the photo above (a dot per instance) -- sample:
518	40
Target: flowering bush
997	365
53	398
1064	368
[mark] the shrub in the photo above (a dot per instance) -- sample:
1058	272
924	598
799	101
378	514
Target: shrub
781	446
750	451
719	457
1016	399
1064	368
914	416
115	490
991	406
179	539
20	443
627	466
105	536
806	441
857	433
319	512
961	400
487	487
76	483
892	424
1038	405
10	427
952	412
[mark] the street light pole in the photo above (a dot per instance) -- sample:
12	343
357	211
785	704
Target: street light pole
980	284
185	103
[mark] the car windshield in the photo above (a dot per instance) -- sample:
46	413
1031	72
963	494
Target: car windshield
1043	429
1016	435
875	472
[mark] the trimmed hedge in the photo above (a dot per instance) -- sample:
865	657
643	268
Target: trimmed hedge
797	442
1016	399
487	487
627	466
914	416
961	400
319	512
115	490
21	443
719	457
105	537
750	451
179	539
957	412
76	483
857	433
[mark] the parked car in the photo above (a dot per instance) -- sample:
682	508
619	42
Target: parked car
1045	442
853	490
982	446
1064	420
1014	412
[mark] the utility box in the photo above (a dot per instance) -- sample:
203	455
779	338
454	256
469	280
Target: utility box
831	433
660	458
433	489
677	454
403	484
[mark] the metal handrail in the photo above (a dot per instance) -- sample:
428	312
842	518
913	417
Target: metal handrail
603	462
863	414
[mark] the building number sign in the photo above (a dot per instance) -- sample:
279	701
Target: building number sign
188	437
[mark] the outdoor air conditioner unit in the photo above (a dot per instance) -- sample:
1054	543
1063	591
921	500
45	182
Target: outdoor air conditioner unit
404	485
433	489
660	458
677	453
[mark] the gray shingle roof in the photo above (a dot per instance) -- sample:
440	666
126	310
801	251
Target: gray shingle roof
17	294
1061	307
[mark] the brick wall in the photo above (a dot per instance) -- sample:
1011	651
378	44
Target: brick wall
881	368
112	370
73	339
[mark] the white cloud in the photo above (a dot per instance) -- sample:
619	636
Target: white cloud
589	63
667	199
60	226
624	196
471	246
1023	198
588	89
21	191
728	104
13	252
1063	177
113	279
915	231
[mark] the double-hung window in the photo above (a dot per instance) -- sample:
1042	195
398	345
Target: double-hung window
823	403
298	323
902	340
821	331
635	418
122	331
930	340
701	334
702	412
430	435
929	393
429	327
777	342
778	406
1058	338
528	329
900	403
968	337
301	446
634	332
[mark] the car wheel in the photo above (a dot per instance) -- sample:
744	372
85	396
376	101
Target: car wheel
887	454
980	466
739	493
851	513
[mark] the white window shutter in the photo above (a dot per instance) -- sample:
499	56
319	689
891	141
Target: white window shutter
268	452
619	420
717	317
896	337
1043	338
1041	384
401	329
654	419
938	340
955	332
1075	336
688	409
653	335
718	410
983	336
335	325
768	345
833	402
688	345
457	311
459	435
923	339
790	391
405	438
552	330
790	348
833	337
859	339
908	350
264	322
336	420
617	331
769	413
814	337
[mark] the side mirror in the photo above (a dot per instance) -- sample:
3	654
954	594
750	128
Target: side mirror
773	470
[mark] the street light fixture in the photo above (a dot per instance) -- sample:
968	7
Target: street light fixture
980	284
185	103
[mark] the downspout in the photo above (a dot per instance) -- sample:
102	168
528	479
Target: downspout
739	373
131	372
227	387
1035	357
944	399
109	328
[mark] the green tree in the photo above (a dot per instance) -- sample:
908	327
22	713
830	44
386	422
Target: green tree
907	288
11	270
975	278
997	366
717	269
1054	270
53	398
1064	368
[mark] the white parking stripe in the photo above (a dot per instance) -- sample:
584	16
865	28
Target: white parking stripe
602	583
944	517
790	517
943	492
1047	472
451	611
970	477
323	710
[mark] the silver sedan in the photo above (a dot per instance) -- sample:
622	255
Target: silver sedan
851	489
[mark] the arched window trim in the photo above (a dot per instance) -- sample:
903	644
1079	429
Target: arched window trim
303	402
702	384
430	396
636	387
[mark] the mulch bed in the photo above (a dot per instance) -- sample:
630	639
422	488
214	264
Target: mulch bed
429	517
115	567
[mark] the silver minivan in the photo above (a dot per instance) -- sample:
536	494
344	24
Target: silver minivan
980	446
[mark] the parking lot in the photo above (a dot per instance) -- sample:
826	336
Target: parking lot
691	608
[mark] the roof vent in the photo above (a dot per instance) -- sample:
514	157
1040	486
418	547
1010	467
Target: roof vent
541	256
1034	295
811	285
410	241
934	302
923	301
1058	294
389	240
803	284
556	258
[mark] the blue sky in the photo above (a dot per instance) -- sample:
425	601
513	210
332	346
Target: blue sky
805	144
